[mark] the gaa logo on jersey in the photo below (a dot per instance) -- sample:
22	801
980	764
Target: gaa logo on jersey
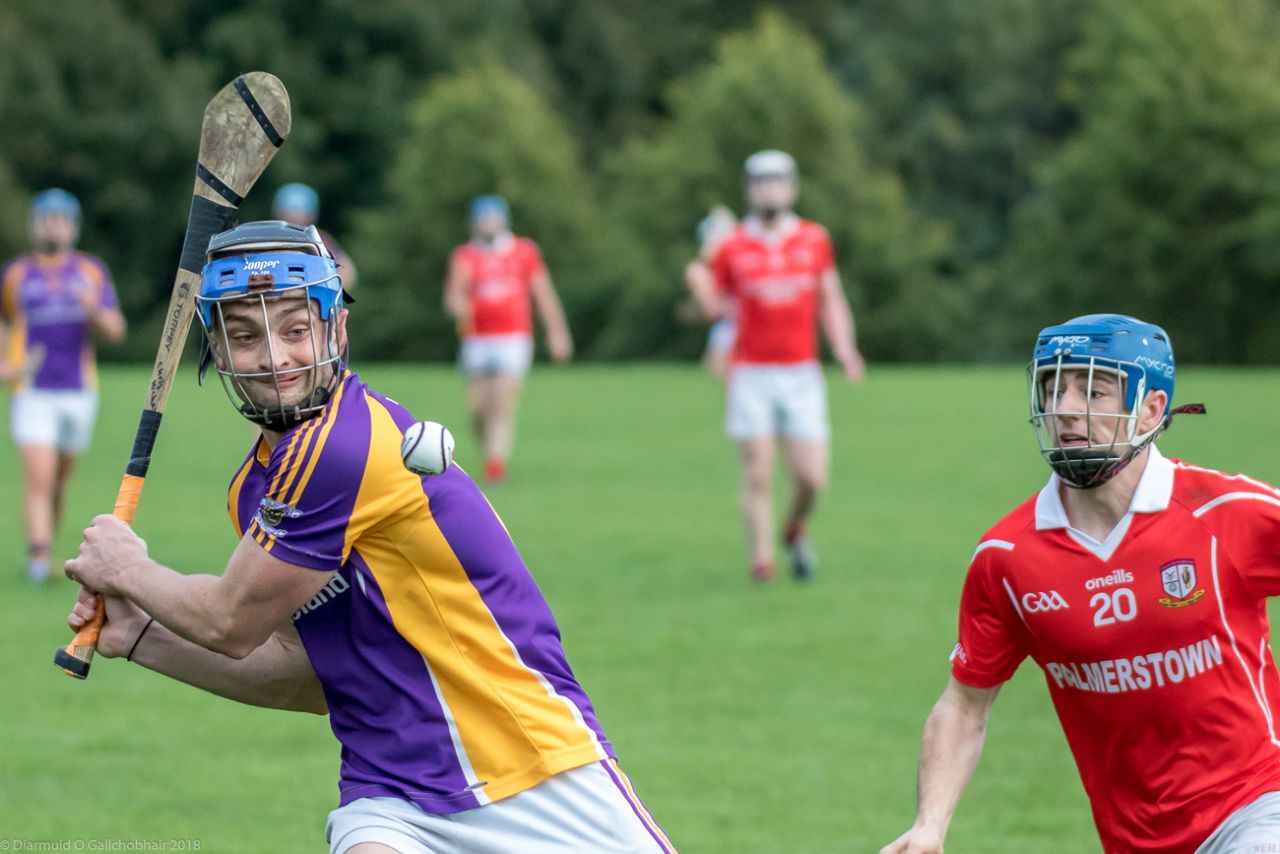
271	513
1179	580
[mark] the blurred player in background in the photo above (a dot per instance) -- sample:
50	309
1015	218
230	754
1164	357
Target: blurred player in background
712	305
299	204
780	272
53	303
493	279
1139	585
395	603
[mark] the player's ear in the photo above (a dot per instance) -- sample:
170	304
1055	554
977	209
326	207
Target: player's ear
340	330
1152	410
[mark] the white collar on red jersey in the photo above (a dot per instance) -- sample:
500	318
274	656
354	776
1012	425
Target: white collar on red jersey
787	225
501	242
1155	489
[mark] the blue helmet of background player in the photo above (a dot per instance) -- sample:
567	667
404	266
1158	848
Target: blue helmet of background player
1137	355
484	206
260	263
55	202
296	199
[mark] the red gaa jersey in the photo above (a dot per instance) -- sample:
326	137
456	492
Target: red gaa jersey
776	280
1155	646
499	280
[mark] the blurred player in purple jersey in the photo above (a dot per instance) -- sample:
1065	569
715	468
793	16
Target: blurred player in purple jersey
52	303
396	603
299	204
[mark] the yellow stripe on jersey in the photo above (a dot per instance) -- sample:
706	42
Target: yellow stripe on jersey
309	453
237	484
514	730
329	417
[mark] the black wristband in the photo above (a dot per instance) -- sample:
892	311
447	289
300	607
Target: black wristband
138	640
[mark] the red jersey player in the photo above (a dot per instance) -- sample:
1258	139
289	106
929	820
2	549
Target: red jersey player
779	271
1138	584
492	281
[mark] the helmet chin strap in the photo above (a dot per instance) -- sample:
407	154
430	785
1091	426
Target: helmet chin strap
1081	468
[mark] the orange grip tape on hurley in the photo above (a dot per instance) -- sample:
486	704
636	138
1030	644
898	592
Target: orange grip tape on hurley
75	657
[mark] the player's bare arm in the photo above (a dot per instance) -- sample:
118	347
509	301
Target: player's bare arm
837	324
949	752
276	675
547	303
702	287
232	614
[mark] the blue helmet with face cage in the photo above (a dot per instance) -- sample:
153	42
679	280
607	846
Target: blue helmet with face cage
1138	355
255	264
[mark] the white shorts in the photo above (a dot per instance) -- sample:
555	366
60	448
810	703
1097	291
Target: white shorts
496	354
591	808
58	419
765	400
1252	829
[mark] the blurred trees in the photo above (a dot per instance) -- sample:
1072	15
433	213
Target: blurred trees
986	165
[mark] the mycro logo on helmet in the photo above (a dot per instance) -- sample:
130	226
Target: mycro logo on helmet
1069	339
260	265
1156	365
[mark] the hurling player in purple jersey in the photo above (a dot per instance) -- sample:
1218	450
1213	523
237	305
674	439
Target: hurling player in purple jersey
53	303
395	603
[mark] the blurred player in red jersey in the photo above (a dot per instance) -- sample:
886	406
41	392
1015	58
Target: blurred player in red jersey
52	304
299	204
1138	584
492	281
779	271
714	228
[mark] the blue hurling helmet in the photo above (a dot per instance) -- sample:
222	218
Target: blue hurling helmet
1136	355
55	202
252	267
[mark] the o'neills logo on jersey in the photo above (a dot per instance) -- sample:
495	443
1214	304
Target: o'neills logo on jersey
1120	576
1179	580
1141	673
336	585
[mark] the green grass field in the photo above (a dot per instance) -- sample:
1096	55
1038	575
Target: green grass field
775	719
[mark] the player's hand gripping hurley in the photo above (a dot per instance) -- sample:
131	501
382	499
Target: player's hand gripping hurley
244	125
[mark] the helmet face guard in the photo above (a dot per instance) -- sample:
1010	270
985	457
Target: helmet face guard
255	276
1099	459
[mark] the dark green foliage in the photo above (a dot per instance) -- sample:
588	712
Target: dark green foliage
992	164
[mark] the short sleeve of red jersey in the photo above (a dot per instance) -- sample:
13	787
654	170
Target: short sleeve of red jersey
991	643
531	258
720	268
824	255
1248	527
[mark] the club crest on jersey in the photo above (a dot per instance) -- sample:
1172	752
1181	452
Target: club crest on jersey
272	513
1179	581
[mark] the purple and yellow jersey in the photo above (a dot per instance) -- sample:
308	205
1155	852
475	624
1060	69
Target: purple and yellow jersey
40	301
441	662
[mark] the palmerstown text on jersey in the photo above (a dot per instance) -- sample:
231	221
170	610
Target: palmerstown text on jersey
1140	673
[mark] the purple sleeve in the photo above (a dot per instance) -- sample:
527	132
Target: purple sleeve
314	479
107	297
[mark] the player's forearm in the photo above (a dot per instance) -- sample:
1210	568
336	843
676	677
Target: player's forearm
276	675
194	607
110	325
837	324
550	312
949	753
702	288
